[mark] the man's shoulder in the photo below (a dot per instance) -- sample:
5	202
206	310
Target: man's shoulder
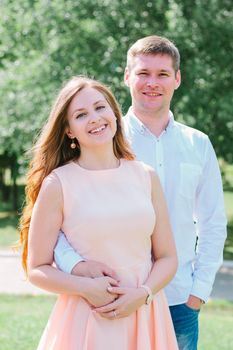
128	120
190	132
131	126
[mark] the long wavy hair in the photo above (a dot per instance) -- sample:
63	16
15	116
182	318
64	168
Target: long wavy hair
52	148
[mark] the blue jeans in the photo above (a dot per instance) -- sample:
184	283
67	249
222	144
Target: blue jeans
185	321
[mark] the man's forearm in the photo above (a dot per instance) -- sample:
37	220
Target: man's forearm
65	257
68	260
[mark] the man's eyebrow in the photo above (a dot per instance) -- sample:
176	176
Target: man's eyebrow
163	70
140	69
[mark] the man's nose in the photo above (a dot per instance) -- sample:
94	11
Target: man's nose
152	81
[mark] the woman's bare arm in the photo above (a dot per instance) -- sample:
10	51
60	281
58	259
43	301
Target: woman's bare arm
45	223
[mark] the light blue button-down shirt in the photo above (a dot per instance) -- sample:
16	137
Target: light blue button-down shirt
186	164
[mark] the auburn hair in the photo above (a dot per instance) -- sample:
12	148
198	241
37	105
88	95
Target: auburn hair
52	148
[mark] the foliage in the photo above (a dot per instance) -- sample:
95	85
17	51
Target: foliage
44	42
9	234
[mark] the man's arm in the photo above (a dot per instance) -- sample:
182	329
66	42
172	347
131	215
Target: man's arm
65	257
68	260
211	225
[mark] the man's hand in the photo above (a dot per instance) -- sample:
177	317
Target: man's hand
93	269
194	302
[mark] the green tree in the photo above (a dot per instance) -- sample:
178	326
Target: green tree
45	42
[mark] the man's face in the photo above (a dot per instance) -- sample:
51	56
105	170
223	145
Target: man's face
152	80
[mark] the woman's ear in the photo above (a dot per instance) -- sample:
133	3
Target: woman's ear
69	133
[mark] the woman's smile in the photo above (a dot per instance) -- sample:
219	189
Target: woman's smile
98	130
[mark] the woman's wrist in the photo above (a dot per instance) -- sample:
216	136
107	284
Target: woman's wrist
83	286
142	295
149	293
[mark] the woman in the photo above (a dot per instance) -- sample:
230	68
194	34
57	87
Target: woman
84	179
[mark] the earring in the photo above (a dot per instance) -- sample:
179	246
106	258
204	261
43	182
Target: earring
73	144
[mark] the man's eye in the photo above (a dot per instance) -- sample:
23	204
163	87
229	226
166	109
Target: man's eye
163	74
142	73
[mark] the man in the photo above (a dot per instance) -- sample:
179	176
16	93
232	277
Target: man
188	170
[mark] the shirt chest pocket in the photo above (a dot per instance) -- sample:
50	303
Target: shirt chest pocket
189	177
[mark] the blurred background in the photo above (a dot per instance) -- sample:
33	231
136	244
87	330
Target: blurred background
43	43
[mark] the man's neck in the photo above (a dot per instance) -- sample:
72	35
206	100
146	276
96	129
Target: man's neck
156	123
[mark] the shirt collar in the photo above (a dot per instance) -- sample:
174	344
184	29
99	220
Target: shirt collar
139	126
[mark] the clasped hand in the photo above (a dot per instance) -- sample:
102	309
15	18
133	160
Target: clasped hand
103	292
128	301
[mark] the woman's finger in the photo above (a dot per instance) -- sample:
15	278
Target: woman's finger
112	315
116	290
112	282
107	308
107	271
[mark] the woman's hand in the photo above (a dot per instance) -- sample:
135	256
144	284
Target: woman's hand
128	301
96	291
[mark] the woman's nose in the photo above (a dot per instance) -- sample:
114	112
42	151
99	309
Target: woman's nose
94	117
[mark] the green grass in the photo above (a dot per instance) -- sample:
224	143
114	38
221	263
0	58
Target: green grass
23	318
216	320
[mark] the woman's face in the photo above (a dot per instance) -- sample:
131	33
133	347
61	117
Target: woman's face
91	119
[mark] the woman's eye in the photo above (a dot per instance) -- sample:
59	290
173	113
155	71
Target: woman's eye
80	115
100	107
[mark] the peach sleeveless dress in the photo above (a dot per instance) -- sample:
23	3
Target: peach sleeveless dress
109	217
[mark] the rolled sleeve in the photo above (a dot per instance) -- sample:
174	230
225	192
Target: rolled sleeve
65	256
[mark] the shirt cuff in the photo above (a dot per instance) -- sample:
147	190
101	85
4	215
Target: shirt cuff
67	264
201	290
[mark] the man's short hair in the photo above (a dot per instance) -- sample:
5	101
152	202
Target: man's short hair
152	45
